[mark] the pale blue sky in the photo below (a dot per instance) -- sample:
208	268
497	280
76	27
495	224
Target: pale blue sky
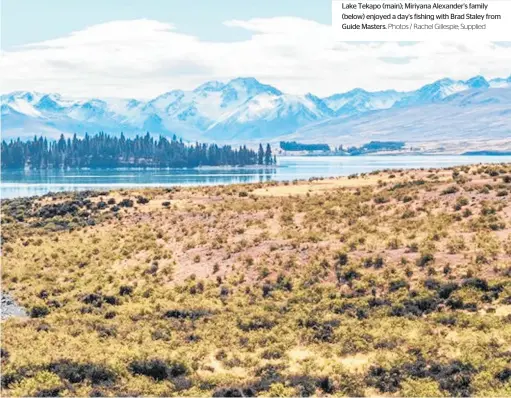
29	21
142	48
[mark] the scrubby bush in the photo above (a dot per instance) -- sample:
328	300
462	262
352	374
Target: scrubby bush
342	258
425	259
380	199
187	314
126	203
75	372
385	380
321	330
39	311
158	369
445	290
397	284
142	200
256	322
125	290
415	306
476	283
234	392
454	378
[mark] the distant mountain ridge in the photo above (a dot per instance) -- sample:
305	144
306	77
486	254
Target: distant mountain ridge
241	110
471	119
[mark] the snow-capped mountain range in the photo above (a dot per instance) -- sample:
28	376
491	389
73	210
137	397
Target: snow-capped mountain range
245	110
468	120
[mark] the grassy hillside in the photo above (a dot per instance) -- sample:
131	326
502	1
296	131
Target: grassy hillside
393	283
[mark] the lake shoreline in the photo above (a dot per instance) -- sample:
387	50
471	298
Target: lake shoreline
136	167
492	154
27	183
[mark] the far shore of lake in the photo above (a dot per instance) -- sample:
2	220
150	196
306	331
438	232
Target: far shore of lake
30	182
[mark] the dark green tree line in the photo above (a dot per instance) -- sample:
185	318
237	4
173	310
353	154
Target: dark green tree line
103	150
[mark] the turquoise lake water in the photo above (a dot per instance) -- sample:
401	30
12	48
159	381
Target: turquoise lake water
17	183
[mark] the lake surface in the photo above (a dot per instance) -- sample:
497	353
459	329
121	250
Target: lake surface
17	183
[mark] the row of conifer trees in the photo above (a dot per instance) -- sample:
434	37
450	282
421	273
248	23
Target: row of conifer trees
103	150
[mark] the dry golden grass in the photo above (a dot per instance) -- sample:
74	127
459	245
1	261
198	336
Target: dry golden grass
393	283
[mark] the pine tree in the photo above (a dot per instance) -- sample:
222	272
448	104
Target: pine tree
260	155
267	155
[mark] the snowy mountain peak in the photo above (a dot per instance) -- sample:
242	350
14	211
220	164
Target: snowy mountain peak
210	86
359	100
28	96
132	103
163	101
438	88
169	94
477	82
500	82
49	102
433	92
25	95
357	92
320	104
251	86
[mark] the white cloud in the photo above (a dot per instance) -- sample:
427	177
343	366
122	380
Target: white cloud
143	58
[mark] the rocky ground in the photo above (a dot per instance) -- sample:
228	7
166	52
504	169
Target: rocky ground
9	308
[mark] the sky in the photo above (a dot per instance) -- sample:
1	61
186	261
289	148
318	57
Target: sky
143	48
51	19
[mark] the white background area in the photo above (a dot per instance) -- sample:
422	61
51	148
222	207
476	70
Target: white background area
495	30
